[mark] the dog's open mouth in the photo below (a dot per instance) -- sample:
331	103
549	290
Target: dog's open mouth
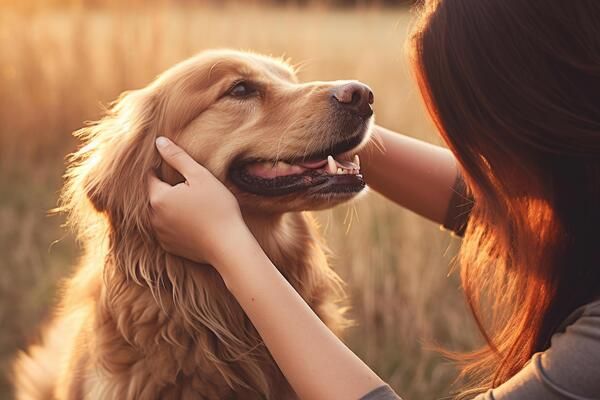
336	171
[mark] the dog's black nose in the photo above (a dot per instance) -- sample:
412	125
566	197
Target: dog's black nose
356	97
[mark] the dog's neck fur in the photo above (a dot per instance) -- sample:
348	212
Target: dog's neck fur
203	325
273	233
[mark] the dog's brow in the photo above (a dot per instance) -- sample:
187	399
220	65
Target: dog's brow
211	70
223	66
229	68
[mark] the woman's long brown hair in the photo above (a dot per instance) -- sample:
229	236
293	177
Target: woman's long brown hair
514	88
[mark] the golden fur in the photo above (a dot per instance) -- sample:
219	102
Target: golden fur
138	323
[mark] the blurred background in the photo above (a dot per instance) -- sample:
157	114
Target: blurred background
61	61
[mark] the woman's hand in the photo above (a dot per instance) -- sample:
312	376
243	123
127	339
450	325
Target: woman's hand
198	219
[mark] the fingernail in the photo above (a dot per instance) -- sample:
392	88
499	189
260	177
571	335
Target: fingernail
162	141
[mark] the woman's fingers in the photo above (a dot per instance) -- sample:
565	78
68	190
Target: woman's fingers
155	184
156	188
177	158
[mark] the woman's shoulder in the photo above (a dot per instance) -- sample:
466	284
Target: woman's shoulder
592	308
587	311
573	359
568	369
581	330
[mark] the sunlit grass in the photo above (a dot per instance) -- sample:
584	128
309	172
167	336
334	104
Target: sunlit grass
57	68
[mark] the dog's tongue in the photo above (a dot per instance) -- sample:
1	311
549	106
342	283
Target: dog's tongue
270	170
313	164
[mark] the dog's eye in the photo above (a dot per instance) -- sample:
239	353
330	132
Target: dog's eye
242	89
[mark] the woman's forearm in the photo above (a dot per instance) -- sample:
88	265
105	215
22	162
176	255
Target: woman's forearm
315	362
414	174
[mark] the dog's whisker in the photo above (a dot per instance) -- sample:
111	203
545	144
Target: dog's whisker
327	222
355	208
280	141
350	220
306	147
377	143
299	66
346	215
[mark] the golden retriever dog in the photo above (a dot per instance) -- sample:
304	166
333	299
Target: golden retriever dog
136	322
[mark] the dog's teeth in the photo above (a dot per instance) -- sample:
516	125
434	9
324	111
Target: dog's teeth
357	160
340	171
281	166
331	166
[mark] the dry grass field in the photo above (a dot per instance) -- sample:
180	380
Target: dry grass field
57	69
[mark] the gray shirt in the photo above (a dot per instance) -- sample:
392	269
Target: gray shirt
568	370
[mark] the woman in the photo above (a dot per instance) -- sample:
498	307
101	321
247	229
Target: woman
514	89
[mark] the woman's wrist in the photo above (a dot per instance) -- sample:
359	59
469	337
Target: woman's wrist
238	255
428	172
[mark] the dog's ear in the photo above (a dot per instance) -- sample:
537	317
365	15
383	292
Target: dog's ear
111	167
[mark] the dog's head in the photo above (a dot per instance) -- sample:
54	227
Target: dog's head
278	144
267	136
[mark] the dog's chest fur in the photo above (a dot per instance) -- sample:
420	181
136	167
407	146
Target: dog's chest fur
201	345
